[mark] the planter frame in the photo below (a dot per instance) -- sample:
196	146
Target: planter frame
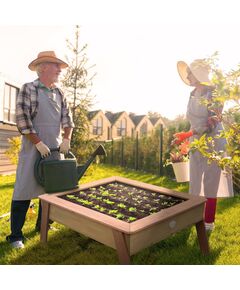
126	238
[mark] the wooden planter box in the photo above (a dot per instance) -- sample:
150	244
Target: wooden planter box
126	238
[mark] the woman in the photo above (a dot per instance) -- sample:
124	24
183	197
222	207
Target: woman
205	179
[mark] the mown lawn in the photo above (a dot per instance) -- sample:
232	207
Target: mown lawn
66	247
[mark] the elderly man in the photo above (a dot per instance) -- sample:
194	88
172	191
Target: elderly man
41	115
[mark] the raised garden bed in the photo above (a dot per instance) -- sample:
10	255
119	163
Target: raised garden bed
124	214
122	201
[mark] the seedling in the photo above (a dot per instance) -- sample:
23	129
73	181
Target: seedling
113	211
121	205
108	201
131	219
121	201
132	209
105	193
119	216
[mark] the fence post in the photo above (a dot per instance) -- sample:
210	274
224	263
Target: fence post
112	153
136	153
161	150
122	152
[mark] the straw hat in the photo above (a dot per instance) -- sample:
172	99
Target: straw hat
199	68
46	56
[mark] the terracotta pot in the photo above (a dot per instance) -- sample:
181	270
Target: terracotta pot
181	171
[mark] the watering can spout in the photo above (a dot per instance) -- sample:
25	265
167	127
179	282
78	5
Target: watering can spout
81	169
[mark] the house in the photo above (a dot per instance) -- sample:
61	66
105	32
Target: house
156	121
121	124
116	125
143	126
8	94
100	126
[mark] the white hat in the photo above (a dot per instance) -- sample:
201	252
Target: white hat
199	68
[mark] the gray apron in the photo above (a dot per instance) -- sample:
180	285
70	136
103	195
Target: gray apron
206	179
47	124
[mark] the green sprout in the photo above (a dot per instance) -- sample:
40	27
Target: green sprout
121	205
108	201
102	209
71	196
82	193
131	219
132	209
105	193
85	202
119	216
113	211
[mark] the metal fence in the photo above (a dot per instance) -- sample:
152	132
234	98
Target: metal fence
140	153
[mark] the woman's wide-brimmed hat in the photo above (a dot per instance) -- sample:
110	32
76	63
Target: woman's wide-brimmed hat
199	68
46	56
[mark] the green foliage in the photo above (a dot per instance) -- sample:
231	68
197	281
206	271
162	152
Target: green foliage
123	152
132	209
14	149
121	205
77	84
226	91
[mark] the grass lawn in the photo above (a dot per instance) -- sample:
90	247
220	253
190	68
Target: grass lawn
66	247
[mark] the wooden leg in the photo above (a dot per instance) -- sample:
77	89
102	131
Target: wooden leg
122	250
44	221
202	237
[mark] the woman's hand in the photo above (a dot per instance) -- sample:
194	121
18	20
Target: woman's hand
212	122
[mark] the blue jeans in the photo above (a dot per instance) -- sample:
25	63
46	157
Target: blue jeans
19	210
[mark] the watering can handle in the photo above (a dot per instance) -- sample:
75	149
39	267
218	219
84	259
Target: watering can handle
38	168
69	154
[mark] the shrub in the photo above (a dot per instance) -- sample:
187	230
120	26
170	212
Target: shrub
13	151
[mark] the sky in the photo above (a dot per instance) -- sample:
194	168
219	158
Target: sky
134	47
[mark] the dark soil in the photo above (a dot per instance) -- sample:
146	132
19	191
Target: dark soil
122	201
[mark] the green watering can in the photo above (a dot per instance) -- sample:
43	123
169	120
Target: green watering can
61	175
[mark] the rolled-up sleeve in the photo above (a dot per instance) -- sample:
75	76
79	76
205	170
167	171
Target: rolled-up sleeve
23	111
66	120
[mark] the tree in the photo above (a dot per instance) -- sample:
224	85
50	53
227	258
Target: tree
227	91
77	83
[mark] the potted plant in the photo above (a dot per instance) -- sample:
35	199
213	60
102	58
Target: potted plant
179	159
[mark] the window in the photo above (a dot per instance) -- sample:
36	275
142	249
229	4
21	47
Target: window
122	128
143	129
9	103
98	126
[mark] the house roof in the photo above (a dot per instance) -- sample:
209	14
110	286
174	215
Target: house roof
112	117
92	114
137	119
154	120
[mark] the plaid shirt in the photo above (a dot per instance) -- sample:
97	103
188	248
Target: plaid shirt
27	108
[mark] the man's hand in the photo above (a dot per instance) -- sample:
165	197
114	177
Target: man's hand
181	136
43	149
65	146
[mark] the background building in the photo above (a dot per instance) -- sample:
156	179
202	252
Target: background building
109	125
